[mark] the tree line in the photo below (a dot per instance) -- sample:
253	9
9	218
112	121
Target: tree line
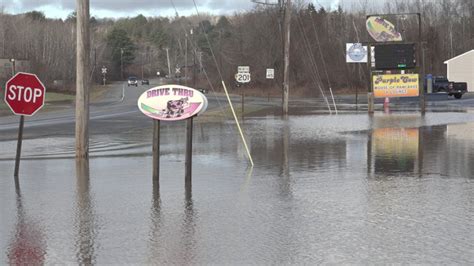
209	48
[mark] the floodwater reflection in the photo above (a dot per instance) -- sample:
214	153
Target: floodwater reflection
85	224
28	245
346	189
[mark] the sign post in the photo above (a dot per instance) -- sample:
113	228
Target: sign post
172	103
104	72
24	94
243	74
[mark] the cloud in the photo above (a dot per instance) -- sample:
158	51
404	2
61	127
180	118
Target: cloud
119	8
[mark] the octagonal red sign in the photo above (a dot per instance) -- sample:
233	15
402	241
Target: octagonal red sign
24	94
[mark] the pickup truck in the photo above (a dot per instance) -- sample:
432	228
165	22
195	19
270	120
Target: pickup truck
442	84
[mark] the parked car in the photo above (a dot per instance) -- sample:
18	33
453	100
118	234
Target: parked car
442	84
145	82
203	91
132	81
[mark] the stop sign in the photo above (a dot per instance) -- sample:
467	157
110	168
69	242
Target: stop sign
24	94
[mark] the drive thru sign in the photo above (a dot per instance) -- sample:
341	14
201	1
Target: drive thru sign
24	94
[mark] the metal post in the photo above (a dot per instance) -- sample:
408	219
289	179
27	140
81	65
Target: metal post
18	146
189	151
156	153
121	63
186	60
421	76
243	103
370	95
168	58
286	74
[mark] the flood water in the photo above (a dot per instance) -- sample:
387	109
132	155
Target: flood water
392	188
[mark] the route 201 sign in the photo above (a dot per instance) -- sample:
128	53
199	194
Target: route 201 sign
24	94
242	77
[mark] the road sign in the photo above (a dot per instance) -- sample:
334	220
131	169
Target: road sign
104	70
242	77
24	94
356	53
243	69
270	73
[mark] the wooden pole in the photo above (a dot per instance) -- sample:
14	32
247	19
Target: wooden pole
82	79
286	74
189	151
156	153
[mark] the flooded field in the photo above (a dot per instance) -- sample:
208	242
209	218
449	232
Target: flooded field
352	188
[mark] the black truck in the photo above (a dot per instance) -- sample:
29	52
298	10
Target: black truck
442	84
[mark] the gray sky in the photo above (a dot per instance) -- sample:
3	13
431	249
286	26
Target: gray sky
130	8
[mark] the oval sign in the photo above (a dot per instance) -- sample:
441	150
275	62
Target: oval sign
172	102
382	30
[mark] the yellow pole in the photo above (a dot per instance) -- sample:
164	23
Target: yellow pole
238	125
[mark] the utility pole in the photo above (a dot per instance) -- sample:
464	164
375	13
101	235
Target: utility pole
121	63
82	79
286	73
168	58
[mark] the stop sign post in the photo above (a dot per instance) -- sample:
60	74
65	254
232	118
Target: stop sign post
24	94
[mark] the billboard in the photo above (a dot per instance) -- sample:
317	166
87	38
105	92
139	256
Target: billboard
382	30
395	85
356	53
395	56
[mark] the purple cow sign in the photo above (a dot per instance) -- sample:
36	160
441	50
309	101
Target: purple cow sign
172	102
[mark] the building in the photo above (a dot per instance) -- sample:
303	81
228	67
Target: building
461	69
6	67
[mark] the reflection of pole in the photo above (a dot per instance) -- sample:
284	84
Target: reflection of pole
189	151
286	74
156	153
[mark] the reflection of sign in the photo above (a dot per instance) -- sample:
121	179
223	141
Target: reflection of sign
382	30
270	73
356	53
172	102
395	85
242	77
395	149
24	94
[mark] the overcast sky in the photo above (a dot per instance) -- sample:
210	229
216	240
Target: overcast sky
131	8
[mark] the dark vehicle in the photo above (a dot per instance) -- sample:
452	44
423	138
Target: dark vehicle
442	84
203	91
145	82
132	81
459	88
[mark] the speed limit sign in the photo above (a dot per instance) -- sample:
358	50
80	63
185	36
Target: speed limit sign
242	77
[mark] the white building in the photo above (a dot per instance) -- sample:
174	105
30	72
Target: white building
461	69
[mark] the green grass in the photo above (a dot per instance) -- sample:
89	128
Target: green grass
58	97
